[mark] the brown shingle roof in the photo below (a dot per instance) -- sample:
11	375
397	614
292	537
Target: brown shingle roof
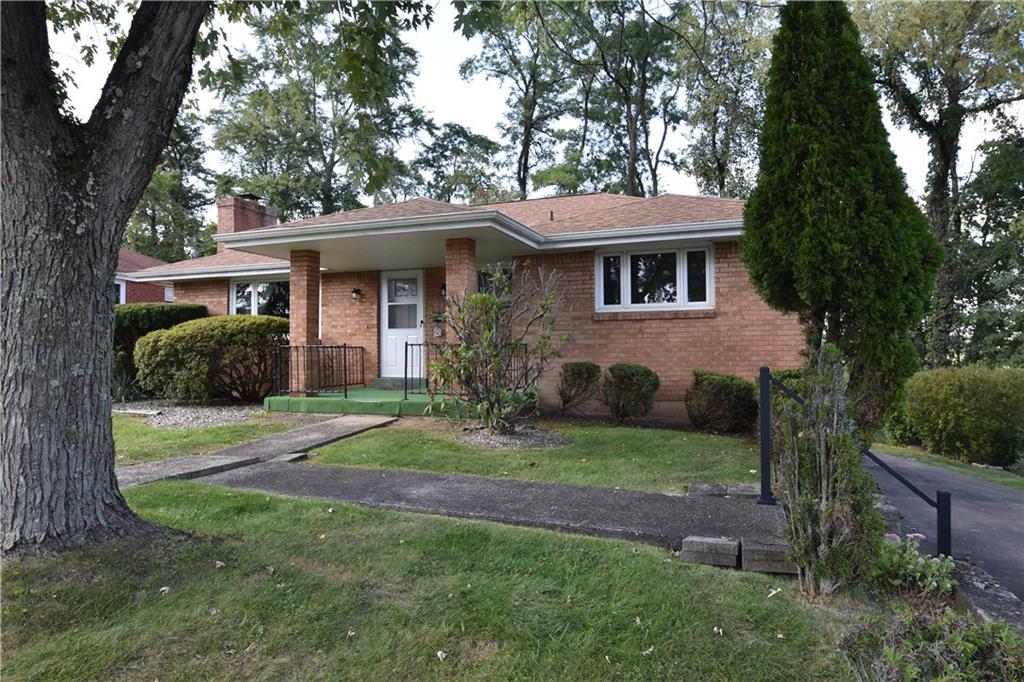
130	261
226	258
419	206
667	209
537	213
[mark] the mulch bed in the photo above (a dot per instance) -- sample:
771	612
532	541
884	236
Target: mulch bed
523	437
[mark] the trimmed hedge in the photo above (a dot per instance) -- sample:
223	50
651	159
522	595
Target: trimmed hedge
721	403
228	356
628	390
577	382
132	321
973	414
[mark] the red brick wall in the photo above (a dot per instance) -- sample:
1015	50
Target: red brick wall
433	280
236	214
460	267
738	336
355	322
213	293
304	296
141	292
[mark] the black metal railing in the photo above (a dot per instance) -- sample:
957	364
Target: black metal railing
942	504
419	367
318	369
419	378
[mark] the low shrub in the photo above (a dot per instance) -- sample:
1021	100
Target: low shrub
577	383
922	642
228	356
901	569
132	321
628	390
721	403
973	414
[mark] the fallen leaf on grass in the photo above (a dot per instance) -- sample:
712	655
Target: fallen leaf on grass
218	564
250	648
779	635
607	660
774	592
330	510
323	536
164	590
648	651
531	464
351	633
214	611
718	631
638	621
441	655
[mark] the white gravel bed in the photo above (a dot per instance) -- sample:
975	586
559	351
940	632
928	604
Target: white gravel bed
523	437
172	416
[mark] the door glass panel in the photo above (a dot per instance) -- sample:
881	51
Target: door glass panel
696	277
653	278
402	290
402	316
243	298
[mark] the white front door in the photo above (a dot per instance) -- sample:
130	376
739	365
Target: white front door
401	322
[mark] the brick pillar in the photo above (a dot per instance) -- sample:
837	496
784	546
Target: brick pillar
304	316
460	278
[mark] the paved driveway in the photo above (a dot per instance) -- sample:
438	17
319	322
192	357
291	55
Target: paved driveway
988	518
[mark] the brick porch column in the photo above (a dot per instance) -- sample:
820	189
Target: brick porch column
304	316
460	278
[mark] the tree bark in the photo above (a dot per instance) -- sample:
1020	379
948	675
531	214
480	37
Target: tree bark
69	189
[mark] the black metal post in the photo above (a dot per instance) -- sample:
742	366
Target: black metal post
405	373
344	369
765	411
944	522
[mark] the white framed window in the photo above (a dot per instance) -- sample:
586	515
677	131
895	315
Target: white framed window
121	290
259	297
654	278
168	294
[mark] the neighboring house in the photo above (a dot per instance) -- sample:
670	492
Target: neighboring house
130	290
658	281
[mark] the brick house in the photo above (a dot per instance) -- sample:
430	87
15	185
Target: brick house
130	290
658	281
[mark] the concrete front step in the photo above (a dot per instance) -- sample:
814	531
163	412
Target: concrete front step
761	554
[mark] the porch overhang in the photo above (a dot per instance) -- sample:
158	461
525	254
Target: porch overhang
419	241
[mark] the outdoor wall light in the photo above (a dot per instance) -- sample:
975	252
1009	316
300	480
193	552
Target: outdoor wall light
357	294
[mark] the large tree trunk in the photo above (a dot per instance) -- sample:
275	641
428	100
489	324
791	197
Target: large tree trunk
69	189
942	200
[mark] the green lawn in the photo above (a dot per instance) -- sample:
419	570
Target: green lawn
1003	477
137	442
312	591
633	458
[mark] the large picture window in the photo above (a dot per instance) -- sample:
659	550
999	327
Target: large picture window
654	279
260	298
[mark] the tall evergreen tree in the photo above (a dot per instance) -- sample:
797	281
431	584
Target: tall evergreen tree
830	231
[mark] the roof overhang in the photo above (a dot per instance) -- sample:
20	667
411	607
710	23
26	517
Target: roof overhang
418	241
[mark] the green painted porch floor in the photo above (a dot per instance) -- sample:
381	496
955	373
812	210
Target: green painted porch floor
359	401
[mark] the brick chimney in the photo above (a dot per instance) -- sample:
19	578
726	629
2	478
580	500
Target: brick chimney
243	212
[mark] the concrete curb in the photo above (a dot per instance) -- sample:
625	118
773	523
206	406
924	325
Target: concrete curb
979	594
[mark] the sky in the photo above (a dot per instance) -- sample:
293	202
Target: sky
479	104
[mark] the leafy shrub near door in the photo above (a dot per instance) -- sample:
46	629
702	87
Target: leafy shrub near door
577	382
132	321
974	414
628	390
227	357
721	403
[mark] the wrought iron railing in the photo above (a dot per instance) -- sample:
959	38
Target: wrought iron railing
419	368
942	504
318	369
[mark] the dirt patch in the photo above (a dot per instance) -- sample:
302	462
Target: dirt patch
523	437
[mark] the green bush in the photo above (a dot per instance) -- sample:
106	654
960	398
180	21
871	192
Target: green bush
897	428
921	642
628	390
973	414
577	382
228	356
132	321
900	569
721	403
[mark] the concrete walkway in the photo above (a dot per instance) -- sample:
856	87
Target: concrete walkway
302	439
988	518
653	518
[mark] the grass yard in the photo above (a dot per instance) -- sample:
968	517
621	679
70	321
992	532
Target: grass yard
136	441
627	457
308	591
1007	478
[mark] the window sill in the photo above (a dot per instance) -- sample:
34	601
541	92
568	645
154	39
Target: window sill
703	313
